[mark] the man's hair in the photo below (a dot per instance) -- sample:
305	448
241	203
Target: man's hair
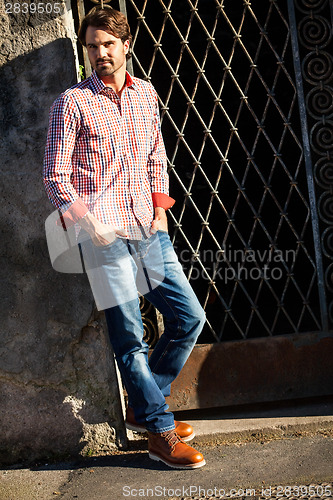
108	19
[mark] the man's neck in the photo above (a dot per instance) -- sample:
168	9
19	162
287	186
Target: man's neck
116	82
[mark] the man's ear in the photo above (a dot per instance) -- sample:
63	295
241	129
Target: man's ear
126	46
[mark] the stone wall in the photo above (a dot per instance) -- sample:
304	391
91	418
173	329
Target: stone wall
58	388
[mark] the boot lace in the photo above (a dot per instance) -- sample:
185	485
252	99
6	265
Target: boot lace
172	438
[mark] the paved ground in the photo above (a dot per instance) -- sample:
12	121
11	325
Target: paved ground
269	451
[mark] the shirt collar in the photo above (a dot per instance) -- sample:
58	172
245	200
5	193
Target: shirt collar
97	85
129	80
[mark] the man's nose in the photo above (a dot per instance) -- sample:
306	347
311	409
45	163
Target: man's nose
101	51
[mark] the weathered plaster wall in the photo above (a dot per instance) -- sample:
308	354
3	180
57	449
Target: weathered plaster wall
58	389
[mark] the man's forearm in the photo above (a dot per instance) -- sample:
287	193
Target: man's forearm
160	221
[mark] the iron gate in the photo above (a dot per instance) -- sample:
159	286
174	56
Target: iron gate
245	90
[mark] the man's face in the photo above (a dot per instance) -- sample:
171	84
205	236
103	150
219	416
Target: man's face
107	53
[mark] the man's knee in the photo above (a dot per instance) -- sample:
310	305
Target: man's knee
200	317
196	319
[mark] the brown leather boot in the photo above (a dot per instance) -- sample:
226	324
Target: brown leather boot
170	449
184	431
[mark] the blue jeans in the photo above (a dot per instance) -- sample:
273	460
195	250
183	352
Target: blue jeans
134	266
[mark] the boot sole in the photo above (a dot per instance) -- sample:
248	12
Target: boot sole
177	466
135	428
189	438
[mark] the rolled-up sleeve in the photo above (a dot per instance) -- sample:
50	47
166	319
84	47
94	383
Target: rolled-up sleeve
157	166
64	126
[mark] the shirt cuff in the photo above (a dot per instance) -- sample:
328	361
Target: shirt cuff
162	200
73	215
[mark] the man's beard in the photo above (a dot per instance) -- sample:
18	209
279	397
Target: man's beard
108	70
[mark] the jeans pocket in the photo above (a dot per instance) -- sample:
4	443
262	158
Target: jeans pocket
102	247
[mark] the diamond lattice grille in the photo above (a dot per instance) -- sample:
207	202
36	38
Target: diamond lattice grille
242	225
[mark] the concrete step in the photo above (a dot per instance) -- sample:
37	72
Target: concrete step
262	421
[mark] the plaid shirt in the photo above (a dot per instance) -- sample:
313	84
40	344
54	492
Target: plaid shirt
105	154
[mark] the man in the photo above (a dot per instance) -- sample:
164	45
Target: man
105	170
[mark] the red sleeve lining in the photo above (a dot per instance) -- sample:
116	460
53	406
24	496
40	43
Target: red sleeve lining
162	200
